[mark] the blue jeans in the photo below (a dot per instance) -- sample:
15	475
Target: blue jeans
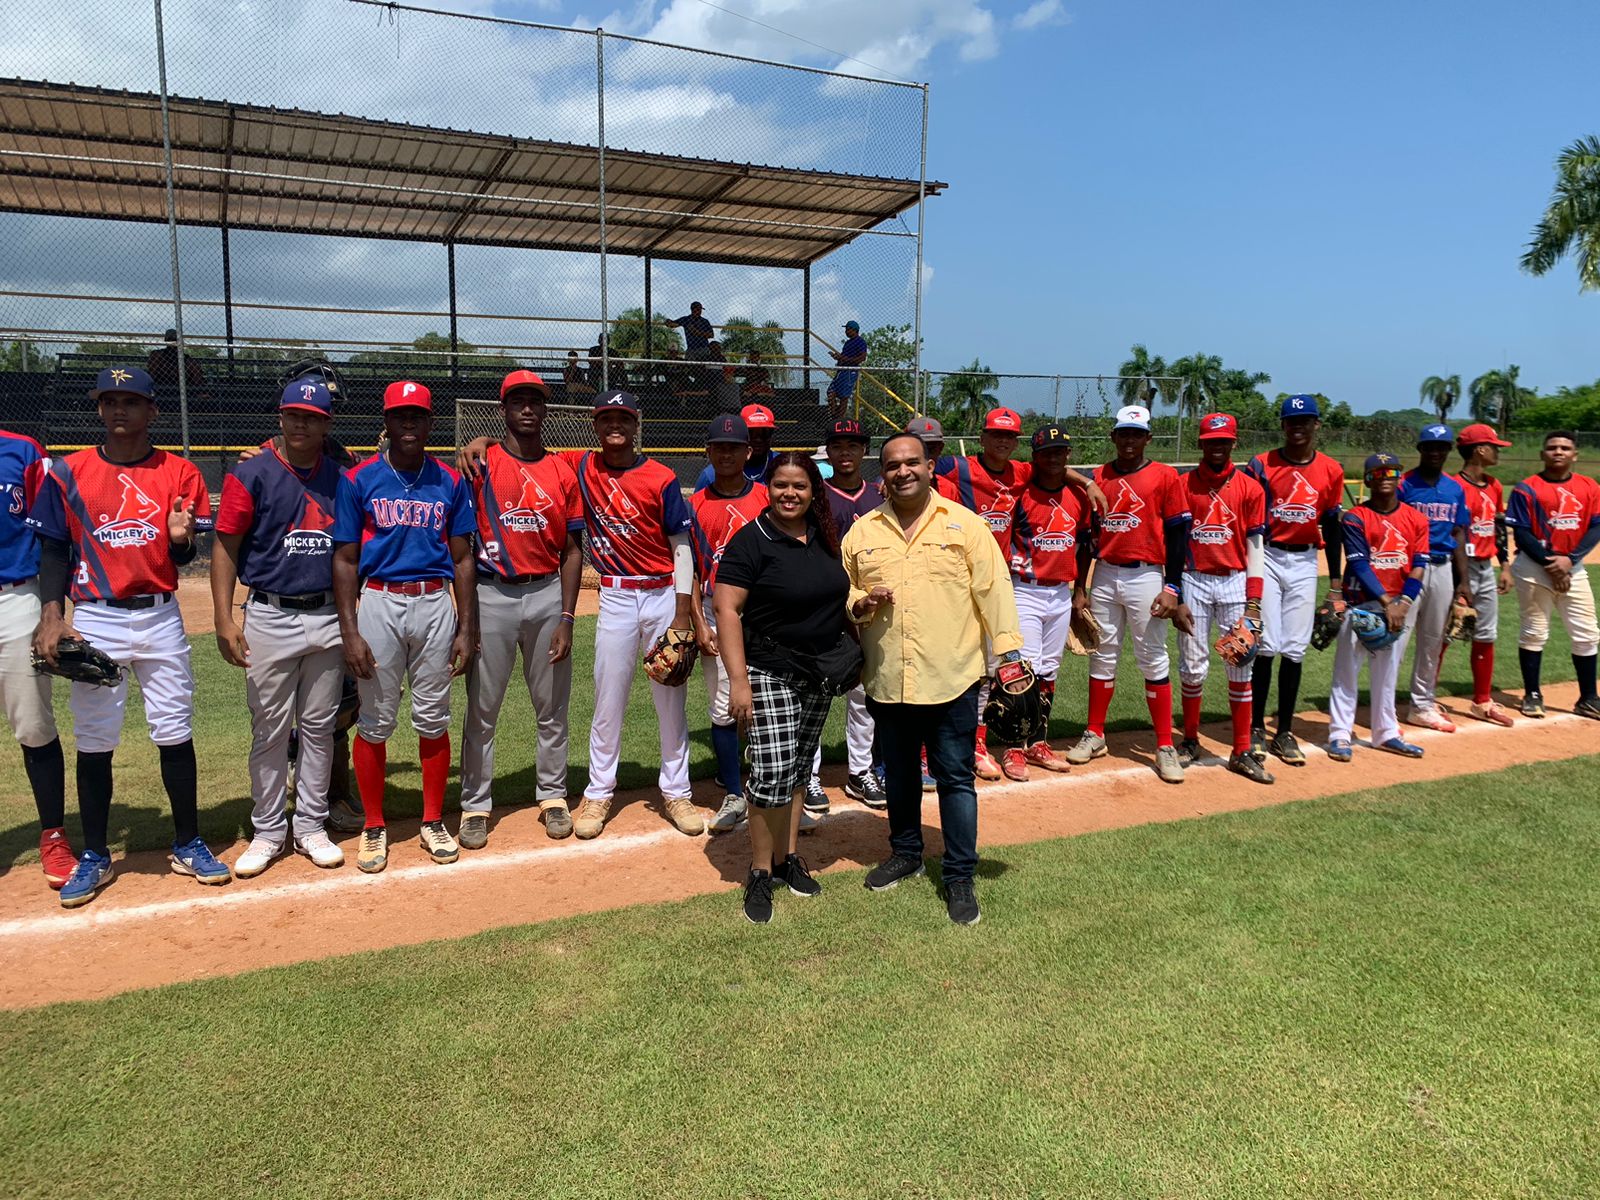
949	730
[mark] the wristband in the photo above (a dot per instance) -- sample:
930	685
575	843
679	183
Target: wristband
1412	589
1174	590
568	619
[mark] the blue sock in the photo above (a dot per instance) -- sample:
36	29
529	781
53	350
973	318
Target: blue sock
725	745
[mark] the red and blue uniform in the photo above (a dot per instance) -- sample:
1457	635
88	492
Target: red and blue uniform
286	518
1381	550
1485	504
525	509
1298	494
629	514
1046	528
1140	504
1560	517
1443	504
403	520
1227	509
23	466
991	494
716	519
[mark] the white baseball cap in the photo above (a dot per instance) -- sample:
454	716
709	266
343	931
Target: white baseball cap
1133	416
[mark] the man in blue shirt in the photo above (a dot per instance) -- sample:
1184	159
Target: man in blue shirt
697	332
1443	504
849	356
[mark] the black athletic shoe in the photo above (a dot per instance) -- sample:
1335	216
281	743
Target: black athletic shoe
1588	706
816	797
1188	752
758	897
1258	744
1533	705
961	902
794	872
866	789
891	871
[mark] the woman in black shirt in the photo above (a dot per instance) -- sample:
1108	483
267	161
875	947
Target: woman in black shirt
780	602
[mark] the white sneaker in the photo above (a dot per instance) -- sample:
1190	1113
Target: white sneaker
257	857
320	850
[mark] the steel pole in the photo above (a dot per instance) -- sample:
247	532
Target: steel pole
605	311
922	189
227	294
172	230
455	357
805	323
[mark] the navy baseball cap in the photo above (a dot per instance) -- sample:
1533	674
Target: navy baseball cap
1381	462
130	381
1047	436
847	430
1436	433
1299	405
608	401
308	394
728	428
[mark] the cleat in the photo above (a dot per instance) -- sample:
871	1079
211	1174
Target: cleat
1430	718
474	831
729	815
91	874
867	789
1188	752
1246	765
1401	747
344	814
1588	706
195	858
373	856
758	898
1168	768
1014	764
1339	750
257	857
794	872
816	797
983	762
590	818
1040	755
891	871
1090	745
56	857
557	822
1533	705
1492	713
1258	745
961	902
320	850
808	820
928	782
436	840
1286	749
685	817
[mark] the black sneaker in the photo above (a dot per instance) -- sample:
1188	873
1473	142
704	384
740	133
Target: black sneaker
1188	752
758	897
816	797
866	789
961	902
794	872
891	871
1588	706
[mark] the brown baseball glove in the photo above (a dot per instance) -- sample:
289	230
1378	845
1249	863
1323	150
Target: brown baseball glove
671	660
1239	642
1463	622
1083	633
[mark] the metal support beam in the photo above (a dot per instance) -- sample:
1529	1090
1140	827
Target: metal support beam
922	196
227	294
455	360
649	320
805	325
172	231
600	146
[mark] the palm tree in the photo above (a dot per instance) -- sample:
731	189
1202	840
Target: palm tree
1571	223
1135	383
1441	394
741	335
627	335
966	394
1496	396
1199	378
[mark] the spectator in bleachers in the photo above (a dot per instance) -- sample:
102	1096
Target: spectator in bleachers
162	366
849	356
720	381
574	378
614	377
673	374
697	333
757	379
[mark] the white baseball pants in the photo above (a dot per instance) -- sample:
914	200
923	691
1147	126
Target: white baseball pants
1043	614
151	642
630	621
410	640
1288	602
1432	614
1120	598
858	730
1215	602
24	694
1536	598
718	686
1383	675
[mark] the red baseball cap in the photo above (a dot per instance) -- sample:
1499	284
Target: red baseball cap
1003	420
523	379
405	394
1217	426
758	416
1480	435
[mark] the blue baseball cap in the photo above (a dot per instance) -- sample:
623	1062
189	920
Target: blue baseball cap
130	381
728	428
852	326
1380	462
1299	405
1436	433
607	401
309	394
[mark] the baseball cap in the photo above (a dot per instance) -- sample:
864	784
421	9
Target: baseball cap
1299	405
523	379
1132	416
1480	435
852	325
1047	436
129	380
307	394
1002	420
607	401
728	428
405	394
758	416
1217	426
1381	462
926	428
847	430
1435	433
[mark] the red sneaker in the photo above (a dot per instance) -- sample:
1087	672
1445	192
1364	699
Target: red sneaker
56	857
1014	764
1040	755
984	762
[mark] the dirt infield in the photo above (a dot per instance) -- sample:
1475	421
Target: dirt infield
151	927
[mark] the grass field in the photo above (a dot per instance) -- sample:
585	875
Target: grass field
1379	994
222	735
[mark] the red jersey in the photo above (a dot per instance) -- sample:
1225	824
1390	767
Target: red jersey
1138	506
1391	544
114	516
525	509
1484	504
945	486
1227	510
1298	494
716	519
629	514
991	494
1046	528
1557	514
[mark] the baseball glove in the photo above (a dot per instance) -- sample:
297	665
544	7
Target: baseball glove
1463	622
1013	714
1326	624
81	662
672	658
1238	644
1372	628
1083	633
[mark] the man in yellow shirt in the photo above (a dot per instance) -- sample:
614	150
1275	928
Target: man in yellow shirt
927	583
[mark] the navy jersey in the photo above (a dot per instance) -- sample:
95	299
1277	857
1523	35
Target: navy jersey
755	471
23	466
1443	504
403	520
848	507
286	518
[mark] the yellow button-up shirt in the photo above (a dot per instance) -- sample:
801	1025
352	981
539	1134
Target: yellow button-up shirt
950	585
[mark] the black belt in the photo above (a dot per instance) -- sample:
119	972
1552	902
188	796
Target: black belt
513	580
136	601
1133	563
302	603
1293	547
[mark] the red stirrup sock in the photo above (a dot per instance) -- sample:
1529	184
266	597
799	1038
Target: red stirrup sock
1099	703
435	755
371	761
1192	692
1482	671
1159	697
1240	704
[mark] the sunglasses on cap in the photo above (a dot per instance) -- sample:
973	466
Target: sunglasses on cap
1377	474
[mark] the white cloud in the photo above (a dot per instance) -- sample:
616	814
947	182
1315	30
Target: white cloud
1037	16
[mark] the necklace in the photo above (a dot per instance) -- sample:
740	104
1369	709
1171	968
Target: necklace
401	479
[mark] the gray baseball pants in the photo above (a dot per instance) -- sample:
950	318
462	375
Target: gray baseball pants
409	636
1432	615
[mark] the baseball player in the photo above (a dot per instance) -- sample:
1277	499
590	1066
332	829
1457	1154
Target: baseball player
1138	585
758	419
1305	489
24	692
932	435
402	535
1488	565
1386	553
1443	503
1555	518
273	532
1051	545
719	510
529	569
1221	584
117	520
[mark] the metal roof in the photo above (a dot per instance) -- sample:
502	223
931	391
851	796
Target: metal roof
89	152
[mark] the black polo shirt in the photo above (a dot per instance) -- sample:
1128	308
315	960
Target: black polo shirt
796	590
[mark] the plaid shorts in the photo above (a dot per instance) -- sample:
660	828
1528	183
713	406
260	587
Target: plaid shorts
784	731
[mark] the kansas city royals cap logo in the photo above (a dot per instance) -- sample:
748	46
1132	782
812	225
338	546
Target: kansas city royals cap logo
1299	405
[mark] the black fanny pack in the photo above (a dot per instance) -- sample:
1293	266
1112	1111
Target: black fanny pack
836	670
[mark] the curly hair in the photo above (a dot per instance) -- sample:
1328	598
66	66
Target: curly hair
820	513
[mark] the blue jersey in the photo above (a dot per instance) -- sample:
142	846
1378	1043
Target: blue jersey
849	507
23	466
755	471
285	519
403	520
1443	504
